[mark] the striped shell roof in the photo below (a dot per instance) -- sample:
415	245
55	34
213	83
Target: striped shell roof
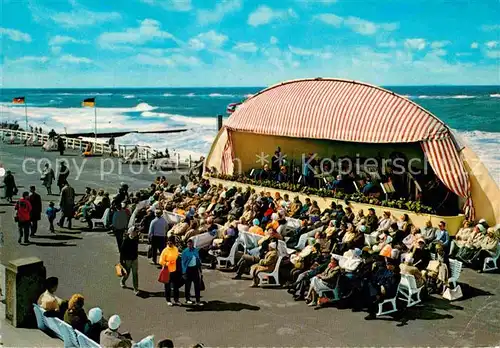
336	109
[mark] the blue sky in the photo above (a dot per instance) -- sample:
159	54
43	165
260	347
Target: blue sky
95	43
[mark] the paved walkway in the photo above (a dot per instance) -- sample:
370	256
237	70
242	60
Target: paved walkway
237	315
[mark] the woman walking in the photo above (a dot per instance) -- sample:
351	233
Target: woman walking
47	178
10	186
168	258
191	272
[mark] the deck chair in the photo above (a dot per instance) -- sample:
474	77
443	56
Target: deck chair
86	342
455	270
264	277
103	221
230	260
40	322
147	342
408	290
490	263
68	334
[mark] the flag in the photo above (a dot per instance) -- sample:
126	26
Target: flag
18	100
90	102
232	107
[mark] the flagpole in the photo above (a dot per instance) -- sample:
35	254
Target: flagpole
95	127
26	113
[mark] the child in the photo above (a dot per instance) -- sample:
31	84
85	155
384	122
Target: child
51	215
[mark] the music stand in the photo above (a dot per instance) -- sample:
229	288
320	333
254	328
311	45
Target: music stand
388	188
356	186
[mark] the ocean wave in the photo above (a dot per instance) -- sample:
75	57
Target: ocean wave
154	114
460	96
128	96
144	107
168	95
219	95
248	95
190	95
496	95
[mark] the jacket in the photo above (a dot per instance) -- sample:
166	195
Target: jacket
120	220
129	249
443	237
113	339
168	258
67	200
186	256
269	262
76	318
36	206
372	222
23	210
330	275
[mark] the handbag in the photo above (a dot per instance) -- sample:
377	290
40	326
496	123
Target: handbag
119	270
453	294
202	283
164	276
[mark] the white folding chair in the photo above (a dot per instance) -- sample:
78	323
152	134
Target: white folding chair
408	290
203	240
264	277
103	221
391	309
455	270
303	238
490	263
173	218
86	342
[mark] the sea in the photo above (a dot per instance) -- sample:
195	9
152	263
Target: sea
473	112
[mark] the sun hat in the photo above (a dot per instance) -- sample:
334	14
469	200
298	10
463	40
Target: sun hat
114	322
95	314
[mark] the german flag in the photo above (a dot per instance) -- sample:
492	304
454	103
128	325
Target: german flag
18	100
89	102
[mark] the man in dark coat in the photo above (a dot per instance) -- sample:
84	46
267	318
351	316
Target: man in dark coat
60	146
36	209
67	204
62	178
9	186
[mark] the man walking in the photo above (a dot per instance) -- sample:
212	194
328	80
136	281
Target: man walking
120	224
67	204
62	178
156	235
23	211
36	209
129	252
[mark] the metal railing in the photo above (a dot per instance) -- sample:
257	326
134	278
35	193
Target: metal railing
144	153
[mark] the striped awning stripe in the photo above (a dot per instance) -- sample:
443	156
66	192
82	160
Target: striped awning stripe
343	110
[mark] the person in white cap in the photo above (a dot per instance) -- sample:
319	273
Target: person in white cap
265	265
111	338
96	325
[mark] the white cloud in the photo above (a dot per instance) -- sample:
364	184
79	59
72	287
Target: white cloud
474	45
318	53
415	44
265	15
60	40
174	60
68	58
246	47
273	40
440	44
324	2
493	27
439	52
173	5
148	30
14	35
211	40
221	9
356	24
491	44
387	44
30	59
493	54
82	17
330	18
463	54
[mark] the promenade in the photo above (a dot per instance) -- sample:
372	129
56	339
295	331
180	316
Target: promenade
235	315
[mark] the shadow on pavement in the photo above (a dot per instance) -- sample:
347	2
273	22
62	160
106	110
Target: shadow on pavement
470	292
221	306
57	237
52	244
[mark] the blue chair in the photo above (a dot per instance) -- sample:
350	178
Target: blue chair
86	342
53	325
68	335
39	317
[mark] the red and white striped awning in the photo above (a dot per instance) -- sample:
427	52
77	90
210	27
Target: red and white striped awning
352	111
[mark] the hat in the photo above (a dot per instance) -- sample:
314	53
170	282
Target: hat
95	314
362	228
274	216
256	222
114	322
482	221
357	252
272	245
481	228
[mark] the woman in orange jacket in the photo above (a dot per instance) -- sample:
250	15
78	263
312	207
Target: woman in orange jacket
168	258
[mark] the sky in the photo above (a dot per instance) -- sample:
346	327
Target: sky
168	43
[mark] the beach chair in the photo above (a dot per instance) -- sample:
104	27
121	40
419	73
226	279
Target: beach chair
409	291
40	322
490	263
86	342
230	260
68	334
147	342
264	277
103	221
455	270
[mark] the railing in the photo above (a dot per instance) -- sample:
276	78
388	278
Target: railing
144	153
